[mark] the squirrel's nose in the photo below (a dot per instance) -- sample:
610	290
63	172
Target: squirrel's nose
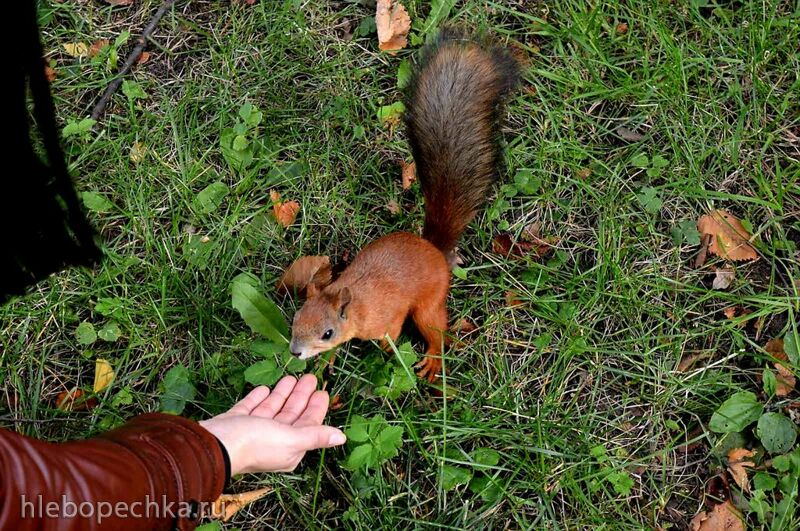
294	349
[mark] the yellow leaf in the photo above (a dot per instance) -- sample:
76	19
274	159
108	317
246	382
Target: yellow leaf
76	49
103	374
138	152
229	504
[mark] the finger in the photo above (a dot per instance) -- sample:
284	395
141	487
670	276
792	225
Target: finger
315	410
314	437
250	402
274	402
298	400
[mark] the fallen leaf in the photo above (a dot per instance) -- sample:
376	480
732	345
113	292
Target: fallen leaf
734	312
622	28
97	47
702	254
723	278
786	381
584	173
724	517
729	238
737	463
143	58
119	2
285	211
50	73
512	299
103	375
74	400
76	49
409	173
336	403
393	25
463	326
305	271
393	207
229	504
688	361
629	135
138	152
504	245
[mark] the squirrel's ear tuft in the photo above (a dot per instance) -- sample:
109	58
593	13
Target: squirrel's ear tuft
311	290
344	297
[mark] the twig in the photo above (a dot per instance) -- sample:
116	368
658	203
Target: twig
131	60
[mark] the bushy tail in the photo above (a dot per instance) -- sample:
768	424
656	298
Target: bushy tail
453	113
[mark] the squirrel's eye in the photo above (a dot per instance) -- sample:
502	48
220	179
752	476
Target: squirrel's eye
327	335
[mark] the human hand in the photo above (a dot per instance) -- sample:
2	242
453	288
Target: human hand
271	431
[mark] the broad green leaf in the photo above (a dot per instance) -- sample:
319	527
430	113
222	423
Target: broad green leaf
389	440
648	197
96	202
267	349
791	346
245	111
736	413
85	333
177	390
759	505
403	74
357	432
133	91
486	488
361	456
391	113
260	313
440	10
452	476
776	432
122	38
240	143
660	162
763	481
122	398
486	456
210	198
366	27
769	381
293	364
110	332
621	481
264	372
640	161
110	307
459	272
198	250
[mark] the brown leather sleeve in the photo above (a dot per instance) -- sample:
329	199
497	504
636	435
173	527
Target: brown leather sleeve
151	473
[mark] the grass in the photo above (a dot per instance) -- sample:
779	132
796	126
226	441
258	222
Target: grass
590	357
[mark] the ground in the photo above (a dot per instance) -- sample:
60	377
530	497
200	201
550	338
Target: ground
577	388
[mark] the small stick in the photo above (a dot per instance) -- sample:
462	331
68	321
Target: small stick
131	60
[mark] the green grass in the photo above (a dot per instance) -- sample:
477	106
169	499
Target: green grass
589	359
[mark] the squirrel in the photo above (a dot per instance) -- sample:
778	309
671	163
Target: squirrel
453	115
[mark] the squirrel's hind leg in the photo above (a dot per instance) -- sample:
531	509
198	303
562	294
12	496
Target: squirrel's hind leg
431	320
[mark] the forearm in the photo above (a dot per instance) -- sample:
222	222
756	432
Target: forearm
151	473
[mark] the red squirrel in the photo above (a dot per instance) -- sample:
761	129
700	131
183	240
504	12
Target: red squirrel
453	114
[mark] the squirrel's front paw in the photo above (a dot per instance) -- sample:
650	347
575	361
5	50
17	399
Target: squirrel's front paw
429	367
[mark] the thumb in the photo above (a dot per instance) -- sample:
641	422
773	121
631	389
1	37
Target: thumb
314	437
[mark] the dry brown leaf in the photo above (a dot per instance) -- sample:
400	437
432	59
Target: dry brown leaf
393	24
584	173
74	400
463	326
622	28
119	2
513	300
723	278
688	361
738	461
103	374
97	46
229	504
336	403
785	380
504	245
393	207
724	517
729	238
409	173
50	73
143	58
76	49
629	134
284	211
306	270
